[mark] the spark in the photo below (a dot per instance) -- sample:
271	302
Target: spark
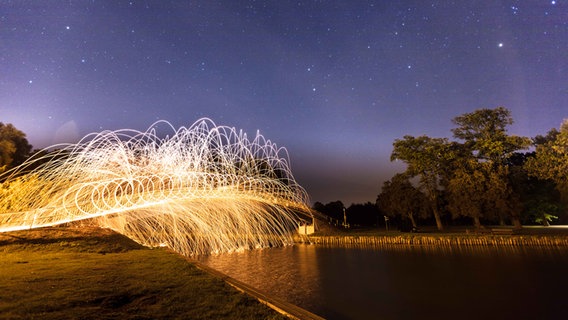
203	189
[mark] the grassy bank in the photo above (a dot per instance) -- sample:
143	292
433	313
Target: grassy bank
68	273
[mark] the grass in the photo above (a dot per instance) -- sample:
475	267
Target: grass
71	273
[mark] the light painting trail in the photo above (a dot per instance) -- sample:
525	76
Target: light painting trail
204	189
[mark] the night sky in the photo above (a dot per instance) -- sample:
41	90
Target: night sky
335	82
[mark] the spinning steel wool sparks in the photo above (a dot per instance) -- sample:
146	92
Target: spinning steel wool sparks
206	189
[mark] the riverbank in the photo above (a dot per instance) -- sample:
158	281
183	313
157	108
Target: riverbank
71	273
491	236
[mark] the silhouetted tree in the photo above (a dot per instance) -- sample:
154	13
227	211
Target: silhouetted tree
538	198
334	210
362	214
542	203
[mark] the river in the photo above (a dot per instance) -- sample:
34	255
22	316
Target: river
408	282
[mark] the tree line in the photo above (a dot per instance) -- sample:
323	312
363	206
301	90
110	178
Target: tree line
483	176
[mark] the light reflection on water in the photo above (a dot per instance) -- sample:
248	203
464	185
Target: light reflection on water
408	282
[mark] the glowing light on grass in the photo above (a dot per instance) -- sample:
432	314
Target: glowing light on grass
202	189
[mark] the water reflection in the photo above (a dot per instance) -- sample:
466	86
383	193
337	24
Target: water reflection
290	273
408	282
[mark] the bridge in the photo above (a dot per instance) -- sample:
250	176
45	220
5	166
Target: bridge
199	190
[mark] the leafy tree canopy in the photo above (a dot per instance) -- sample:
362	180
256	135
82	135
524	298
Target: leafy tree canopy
485	133
14	147
400	197
426	157
551	159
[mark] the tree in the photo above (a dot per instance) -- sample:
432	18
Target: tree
399	197
485	134
426	159
365	214
486	142
465	191
14	147
542	209
334	211
551	159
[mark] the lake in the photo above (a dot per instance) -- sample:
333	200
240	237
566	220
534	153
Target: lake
408	282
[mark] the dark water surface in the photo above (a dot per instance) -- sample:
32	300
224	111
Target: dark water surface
404	282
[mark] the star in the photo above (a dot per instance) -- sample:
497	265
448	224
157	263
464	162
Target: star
352	56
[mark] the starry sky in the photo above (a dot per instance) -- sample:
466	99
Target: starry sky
335	82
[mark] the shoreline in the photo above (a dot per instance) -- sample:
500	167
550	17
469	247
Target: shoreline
498	237
480	240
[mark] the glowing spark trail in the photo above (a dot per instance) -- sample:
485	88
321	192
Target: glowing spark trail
205	189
